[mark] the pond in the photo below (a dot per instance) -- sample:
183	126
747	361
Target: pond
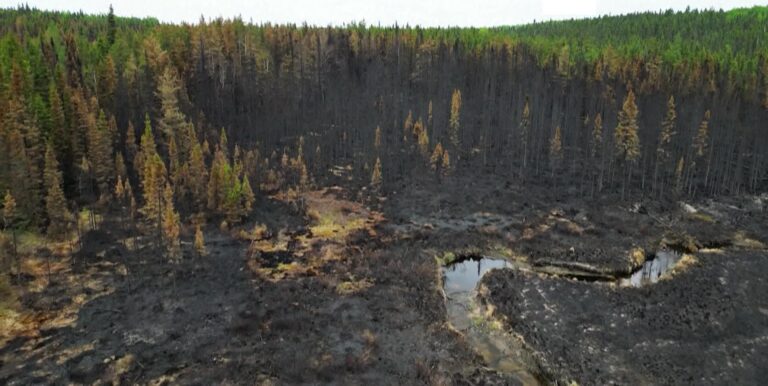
500	350
653	269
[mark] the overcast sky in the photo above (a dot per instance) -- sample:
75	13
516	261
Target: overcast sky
385	12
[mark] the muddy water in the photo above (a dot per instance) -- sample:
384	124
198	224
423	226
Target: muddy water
653	269
501	351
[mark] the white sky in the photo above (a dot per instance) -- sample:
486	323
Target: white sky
385	12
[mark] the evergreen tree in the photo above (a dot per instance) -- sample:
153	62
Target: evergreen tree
148	148
597	151
59	130
679	175
377	139
197	178
121	171
446	164
153	182
200	241
455	116
171	225
172	123
429	115
25	157
131	149
224	143
248	197
701	140
408	126
597	135
100	154
435	161
525	124
107	83
21	173
9	210
59	216
422	138
176	172
216	182
663	151
556	148
85	179
111	26
376	178
626	138
700	149
120	189
9	218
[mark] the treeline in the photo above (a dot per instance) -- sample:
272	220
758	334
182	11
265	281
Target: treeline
200	118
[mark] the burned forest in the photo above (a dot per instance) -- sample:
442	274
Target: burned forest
229	202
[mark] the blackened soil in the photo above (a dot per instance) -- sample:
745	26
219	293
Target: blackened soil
208	320
707	325
373	312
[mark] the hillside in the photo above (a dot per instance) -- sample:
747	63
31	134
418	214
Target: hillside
224	202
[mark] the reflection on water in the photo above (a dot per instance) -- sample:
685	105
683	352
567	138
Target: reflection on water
463	276
500	351
653	269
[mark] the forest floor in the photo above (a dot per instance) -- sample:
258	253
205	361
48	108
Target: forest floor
330	290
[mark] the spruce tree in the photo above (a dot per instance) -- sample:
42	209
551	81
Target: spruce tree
171	225
525	124
120	169
9	219
422	138
148	148
700	149
153	182
197	178
59	130
435	161
625	135
408	126
199	241
172	123
663	151
216	182
597	151
446	164
248	198
131	149
59	216
376	178
377	139
100	154
556	149
9	210
25	155
22	181
596	143
454	121
626	139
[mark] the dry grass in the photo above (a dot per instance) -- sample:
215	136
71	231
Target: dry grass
352	287
332	221
687	261
637	256
740	239
700	216
8	306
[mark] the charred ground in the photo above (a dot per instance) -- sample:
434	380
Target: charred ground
369	308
